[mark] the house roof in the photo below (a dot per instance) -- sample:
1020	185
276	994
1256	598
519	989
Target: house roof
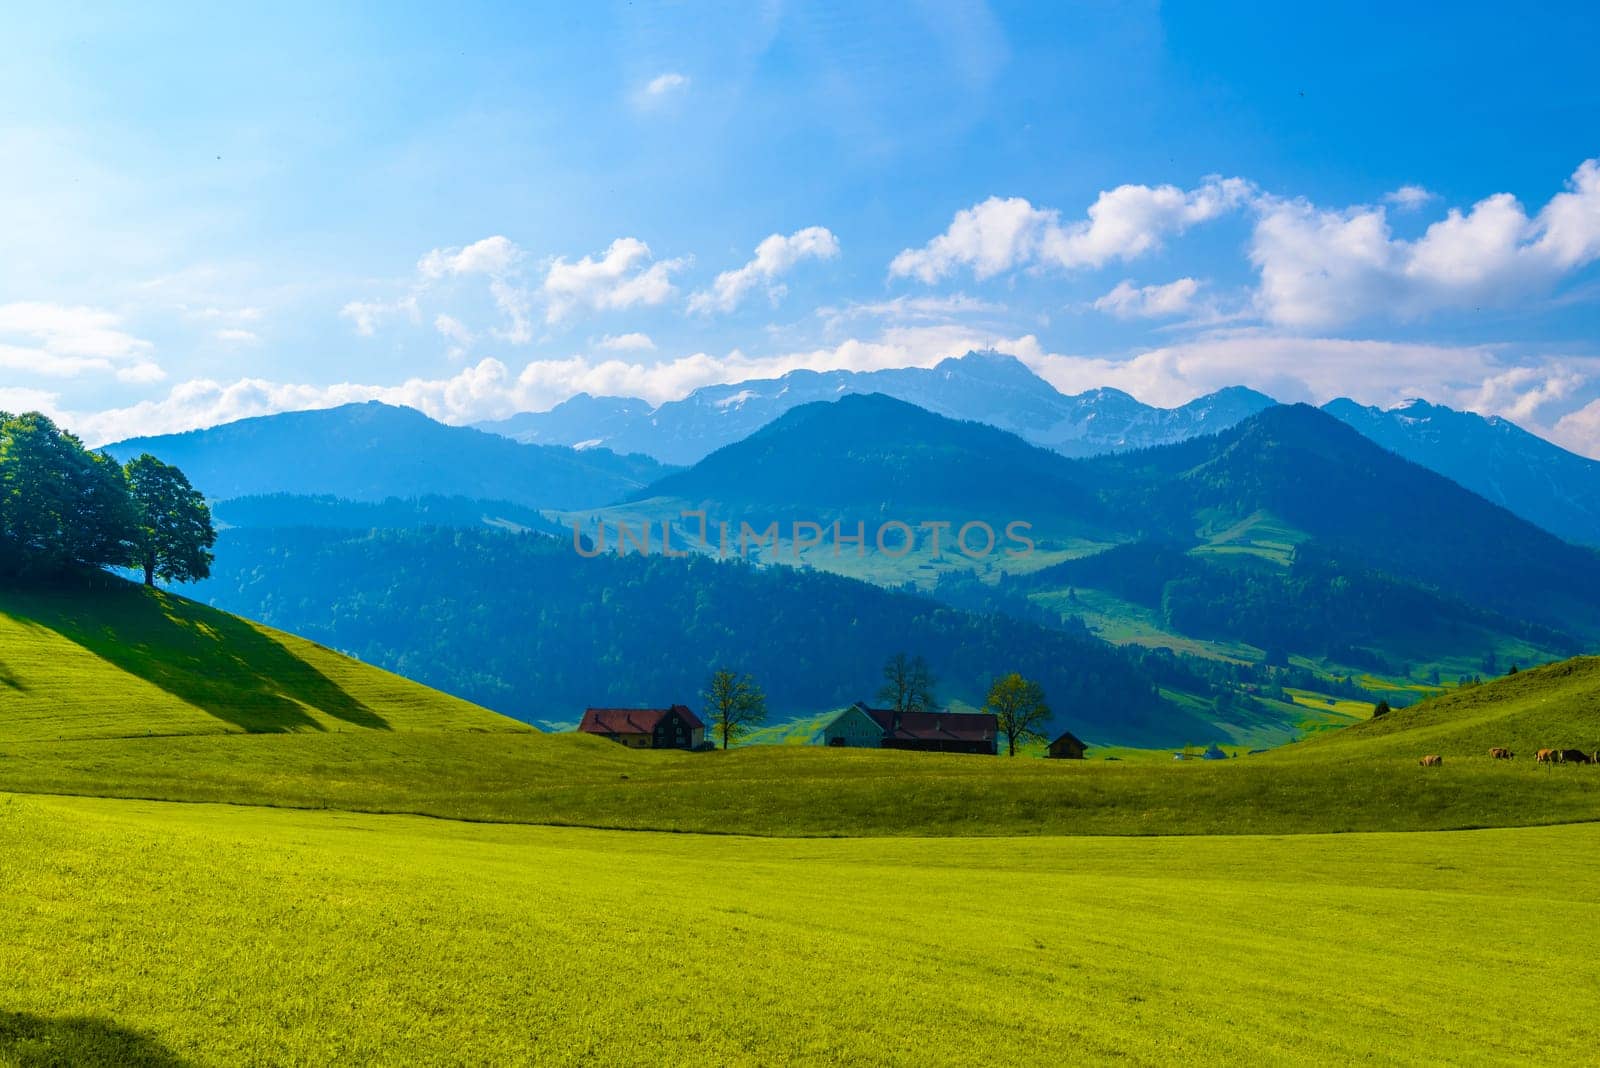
633	720
1068	736
934	726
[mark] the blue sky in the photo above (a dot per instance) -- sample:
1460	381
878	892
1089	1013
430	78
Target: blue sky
479	209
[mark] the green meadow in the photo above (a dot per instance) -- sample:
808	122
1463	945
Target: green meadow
151	933
222	845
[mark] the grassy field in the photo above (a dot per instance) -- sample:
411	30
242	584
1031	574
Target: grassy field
158	934
125	662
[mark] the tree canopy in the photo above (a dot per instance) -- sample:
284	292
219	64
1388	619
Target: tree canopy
64	508
1019	709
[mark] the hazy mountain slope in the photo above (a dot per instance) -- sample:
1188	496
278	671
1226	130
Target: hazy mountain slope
374	451
871	456
1359	502
1539	481
985	387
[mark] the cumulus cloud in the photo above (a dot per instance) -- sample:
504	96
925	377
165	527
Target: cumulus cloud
1128	301
1320	268
1000	235
234	335
66	341
1580	430
774	257
493	256
634	342
622	277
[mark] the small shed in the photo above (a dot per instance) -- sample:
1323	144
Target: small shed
1067	747
1213	753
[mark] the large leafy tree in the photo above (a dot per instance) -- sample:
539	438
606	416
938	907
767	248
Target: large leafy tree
907	683
174	532
61	506
735	704
1019	707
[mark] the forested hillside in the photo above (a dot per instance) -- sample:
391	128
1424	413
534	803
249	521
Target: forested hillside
522	624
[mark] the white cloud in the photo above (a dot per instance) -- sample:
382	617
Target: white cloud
65	341
634	342
999	235
493	256
1128	301
1408	197
1320	268
1578	431
623	277
667	84
142	373
453	328
775	257
234	335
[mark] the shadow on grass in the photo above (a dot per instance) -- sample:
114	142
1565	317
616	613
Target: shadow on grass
30	1041
10	681
212	660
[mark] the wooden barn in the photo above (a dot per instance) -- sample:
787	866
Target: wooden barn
646	728
937	732
1067	747
851	728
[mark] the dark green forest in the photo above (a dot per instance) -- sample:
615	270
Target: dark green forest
67	512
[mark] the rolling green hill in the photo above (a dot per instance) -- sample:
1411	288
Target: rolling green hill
120	661
1553	707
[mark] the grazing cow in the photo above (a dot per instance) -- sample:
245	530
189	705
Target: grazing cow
1547	756
1432	760
1501	753
1574	756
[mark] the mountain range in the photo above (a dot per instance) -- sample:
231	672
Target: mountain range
985	387
1493	457
373	451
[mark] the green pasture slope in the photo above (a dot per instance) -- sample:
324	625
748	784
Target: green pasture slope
150	933
843	906
123	661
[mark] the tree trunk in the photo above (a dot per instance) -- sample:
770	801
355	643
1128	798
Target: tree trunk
150	571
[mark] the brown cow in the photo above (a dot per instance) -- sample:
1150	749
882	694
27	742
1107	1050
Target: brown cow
1432	760
1501	753
1547	756
1574	756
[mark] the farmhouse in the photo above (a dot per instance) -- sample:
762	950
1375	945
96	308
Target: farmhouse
646	728
1067	747
936	732
853	728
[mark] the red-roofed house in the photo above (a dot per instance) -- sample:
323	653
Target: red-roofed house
646	728
937	732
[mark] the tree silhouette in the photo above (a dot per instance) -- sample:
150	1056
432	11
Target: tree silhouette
735	704
907	683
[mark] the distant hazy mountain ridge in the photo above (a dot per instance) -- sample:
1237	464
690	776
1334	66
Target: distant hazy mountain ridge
985	387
